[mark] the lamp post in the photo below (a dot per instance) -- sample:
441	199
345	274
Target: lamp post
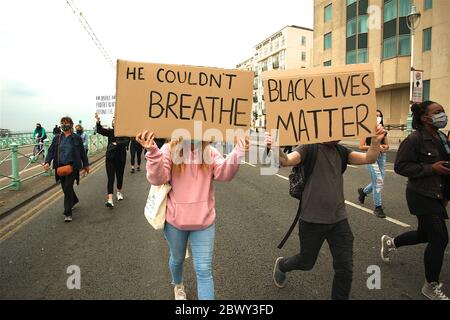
412	21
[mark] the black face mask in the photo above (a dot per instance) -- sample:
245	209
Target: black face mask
79	131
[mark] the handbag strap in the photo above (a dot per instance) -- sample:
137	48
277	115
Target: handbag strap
59	144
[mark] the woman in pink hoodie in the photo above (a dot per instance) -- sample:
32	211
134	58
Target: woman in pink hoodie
190	167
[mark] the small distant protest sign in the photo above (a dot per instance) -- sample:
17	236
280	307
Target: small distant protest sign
163	98
105	105
320	104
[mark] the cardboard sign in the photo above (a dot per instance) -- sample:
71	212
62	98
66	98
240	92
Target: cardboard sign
162	98
320	104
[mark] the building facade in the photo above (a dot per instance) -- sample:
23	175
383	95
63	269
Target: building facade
376	32
288	48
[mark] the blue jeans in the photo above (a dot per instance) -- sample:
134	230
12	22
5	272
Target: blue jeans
202	247
377	171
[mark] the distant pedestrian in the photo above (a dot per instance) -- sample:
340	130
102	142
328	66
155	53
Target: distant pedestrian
377	172
83	135
56	130
39	134
423	157
67	149
190	212
136	153
116	159
322	211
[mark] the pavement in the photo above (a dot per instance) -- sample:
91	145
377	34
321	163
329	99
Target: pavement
121	257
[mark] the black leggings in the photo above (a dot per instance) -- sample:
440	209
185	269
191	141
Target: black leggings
432	230
136	150
115	167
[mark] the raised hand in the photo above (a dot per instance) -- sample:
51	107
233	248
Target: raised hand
379	133
97	117
146	139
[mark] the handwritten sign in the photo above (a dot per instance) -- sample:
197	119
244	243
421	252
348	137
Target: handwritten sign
105	105
320	104
163	98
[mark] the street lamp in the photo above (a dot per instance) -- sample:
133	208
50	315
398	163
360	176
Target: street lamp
412	21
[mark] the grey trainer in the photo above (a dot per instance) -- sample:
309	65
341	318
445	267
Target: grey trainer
433	291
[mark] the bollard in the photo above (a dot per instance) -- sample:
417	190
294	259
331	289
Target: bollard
46	146
15	184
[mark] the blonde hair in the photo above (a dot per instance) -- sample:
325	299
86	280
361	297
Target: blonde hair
176	152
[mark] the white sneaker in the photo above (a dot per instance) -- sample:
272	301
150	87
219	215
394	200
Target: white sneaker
433	291
387	246
68	219
119	196
179	292
109	204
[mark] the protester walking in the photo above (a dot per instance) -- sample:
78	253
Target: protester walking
56	130
67	153
423	157
116	159
376	171
83	135
190	167
135	152
322	210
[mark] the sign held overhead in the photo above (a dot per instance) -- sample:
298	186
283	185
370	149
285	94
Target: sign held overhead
163	98
320	104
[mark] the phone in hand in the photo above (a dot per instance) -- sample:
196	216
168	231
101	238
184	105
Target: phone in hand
447	164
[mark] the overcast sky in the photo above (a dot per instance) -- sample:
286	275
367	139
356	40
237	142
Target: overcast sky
50	67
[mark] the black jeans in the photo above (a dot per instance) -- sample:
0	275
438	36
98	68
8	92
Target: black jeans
432	230
136	150
340	239
114	168
70	198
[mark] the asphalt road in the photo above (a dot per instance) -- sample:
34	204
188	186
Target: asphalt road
121	257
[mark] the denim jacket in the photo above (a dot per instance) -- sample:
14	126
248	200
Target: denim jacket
415	156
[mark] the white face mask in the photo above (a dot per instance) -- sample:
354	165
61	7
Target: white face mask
379	120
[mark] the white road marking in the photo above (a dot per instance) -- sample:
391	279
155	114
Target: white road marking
397	222
248	163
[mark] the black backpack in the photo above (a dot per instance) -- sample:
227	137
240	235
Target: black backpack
298	178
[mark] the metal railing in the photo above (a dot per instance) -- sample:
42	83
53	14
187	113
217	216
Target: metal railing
17	149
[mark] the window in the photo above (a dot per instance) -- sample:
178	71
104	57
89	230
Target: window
427	39
303	56
351	57
396	35
351	27
357	32
362	24
303	41
404	45
362	56
349	2
328	13
404	8
389	48
426	90
327	41
428	4
390	10
327	63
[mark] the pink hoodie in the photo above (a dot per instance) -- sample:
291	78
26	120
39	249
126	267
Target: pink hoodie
190	202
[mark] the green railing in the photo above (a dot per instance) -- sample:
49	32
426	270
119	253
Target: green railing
17	149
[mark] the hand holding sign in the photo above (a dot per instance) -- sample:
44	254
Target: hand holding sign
244	144
146	139
379	133
97	117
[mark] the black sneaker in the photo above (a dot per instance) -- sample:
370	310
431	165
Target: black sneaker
138	168
379	212
132	170
361	195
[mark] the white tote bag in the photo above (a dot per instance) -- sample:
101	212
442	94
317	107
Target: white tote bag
155	208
